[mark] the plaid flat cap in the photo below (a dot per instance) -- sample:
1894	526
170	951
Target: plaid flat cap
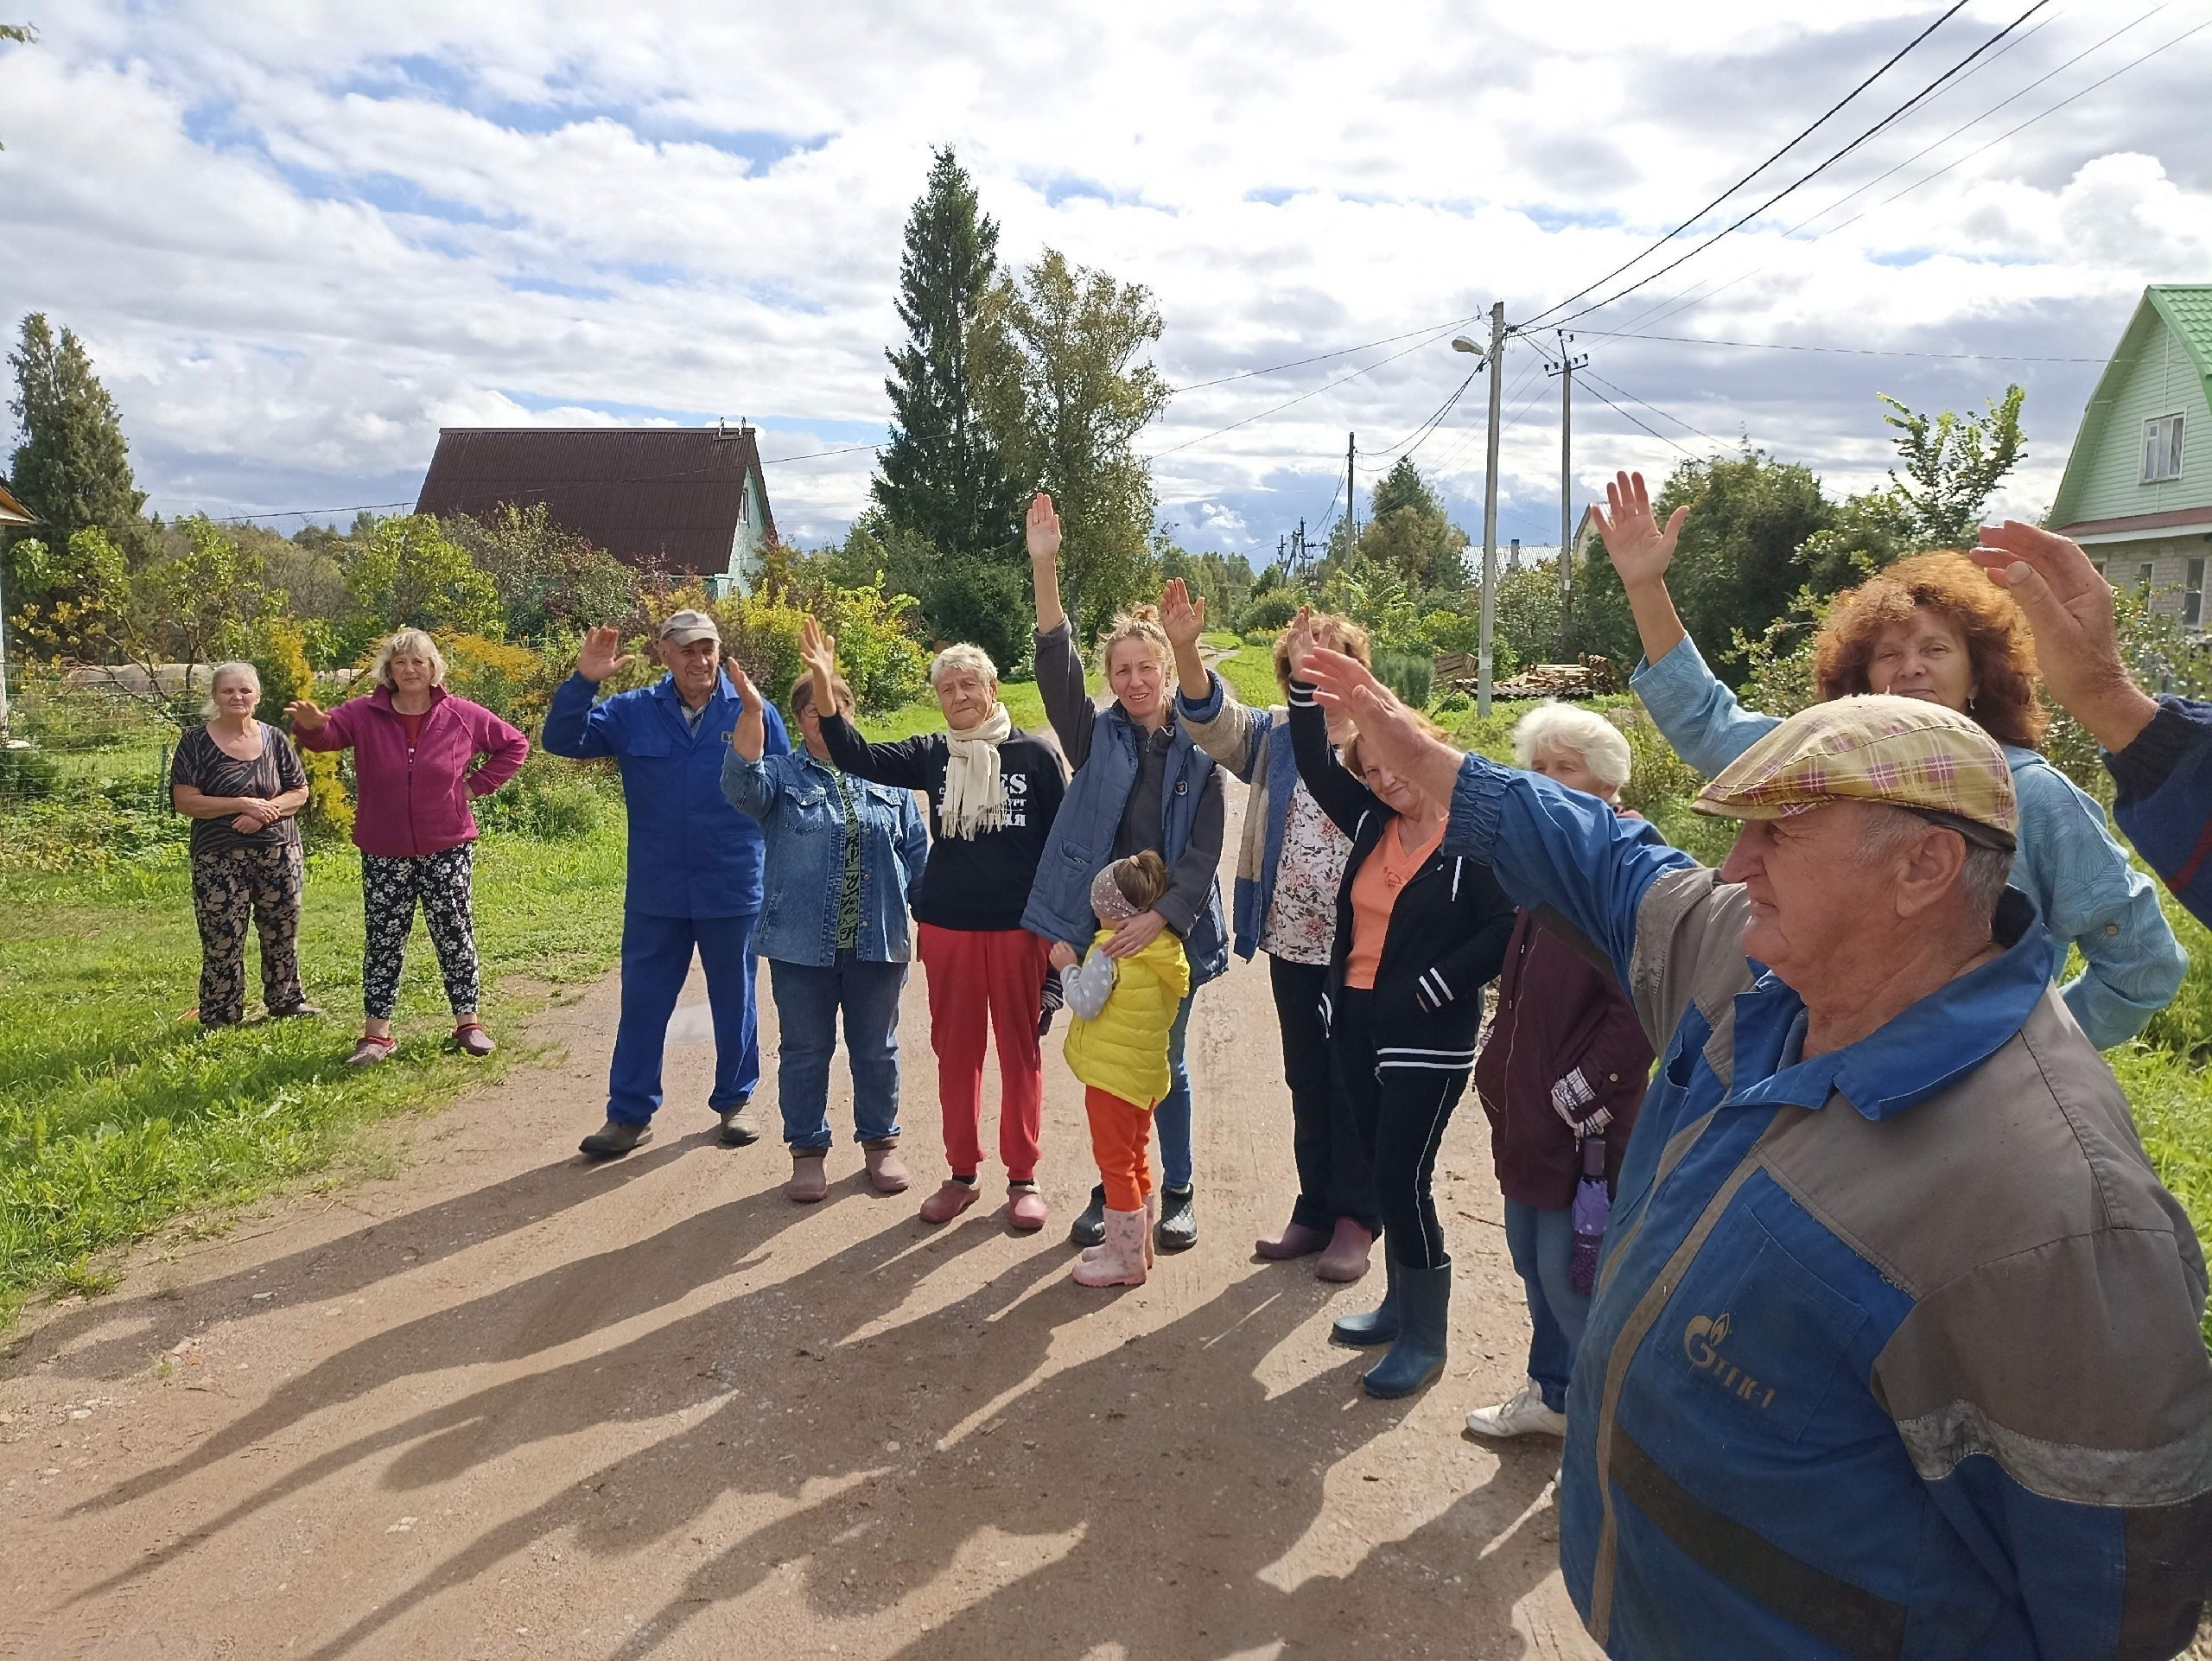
1905	752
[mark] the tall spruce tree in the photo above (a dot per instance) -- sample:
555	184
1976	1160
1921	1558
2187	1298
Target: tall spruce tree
73	468
942	476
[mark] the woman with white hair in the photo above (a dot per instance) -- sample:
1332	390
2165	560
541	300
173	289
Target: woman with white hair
1560	1077
241	782
416	768
993	790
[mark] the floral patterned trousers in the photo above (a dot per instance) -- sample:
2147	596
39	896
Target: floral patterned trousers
390	888
229	885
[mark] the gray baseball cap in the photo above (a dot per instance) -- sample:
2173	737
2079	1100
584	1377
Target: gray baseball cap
682	627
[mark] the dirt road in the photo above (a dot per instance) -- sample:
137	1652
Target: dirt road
511	1405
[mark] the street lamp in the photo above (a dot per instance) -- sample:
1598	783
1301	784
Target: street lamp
1461	343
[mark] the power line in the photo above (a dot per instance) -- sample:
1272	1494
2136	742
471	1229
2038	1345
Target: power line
1847	351
1431	336
1805	133
1419	434
1682	301
1889	120
1592	374
1647	426
1300	362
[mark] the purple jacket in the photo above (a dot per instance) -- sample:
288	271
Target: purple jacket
406	806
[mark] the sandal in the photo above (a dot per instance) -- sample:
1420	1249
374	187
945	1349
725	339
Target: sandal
370	1049
470	1038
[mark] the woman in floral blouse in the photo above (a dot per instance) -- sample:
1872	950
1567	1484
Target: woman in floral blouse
1287	872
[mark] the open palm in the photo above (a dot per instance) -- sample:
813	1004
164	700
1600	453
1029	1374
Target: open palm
1640	548
818	649
1043	528
601	655
1182	617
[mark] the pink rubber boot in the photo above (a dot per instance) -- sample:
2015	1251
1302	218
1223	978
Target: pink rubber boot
1120	1261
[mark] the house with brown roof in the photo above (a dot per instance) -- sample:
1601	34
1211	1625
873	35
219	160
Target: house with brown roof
2137	492
685	500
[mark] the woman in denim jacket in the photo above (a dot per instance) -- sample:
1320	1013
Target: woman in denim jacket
843	855
1930	627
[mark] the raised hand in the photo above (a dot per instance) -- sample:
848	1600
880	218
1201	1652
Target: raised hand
750	736
1183	618
1388	732
1043	528
818	649
2068	606
1640	548
306	716
1301	641
748	695
601	655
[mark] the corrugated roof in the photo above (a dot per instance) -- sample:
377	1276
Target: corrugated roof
670	497
2186	308
13	512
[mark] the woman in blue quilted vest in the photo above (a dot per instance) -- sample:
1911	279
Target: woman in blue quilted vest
1140	782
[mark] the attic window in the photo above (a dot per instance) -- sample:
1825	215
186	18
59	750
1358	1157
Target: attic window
2161	449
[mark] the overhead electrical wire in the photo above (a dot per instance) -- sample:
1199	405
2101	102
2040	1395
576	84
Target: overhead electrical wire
1804	179
1804	134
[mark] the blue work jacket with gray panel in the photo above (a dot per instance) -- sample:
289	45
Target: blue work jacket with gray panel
1894	1351
800	811
691	853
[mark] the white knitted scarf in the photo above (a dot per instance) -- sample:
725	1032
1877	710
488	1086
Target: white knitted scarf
975	794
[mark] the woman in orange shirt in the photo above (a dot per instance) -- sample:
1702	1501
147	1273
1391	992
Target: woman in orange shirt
1419	932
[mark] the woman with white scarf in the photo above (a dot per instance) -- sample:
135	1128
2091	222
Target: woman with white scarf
993	790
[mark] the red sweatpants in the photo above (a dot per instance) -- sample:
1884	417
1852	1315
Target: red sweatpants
983	981
1121	1141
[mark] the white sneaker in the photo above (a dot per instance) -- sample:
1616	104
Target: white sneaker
1525	1414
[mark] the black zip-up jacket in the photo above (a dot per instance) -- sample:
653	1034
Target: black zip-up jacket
1448	931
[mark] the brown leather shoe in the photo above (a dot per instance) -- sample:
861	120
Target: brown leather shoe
809	1180
1345	1260
887	1172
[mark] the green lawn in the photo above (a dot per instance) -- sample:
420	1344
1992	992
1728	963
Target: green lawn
117	1114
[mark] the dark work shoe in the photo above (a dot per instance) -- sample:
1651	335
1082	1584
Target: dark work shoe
1376	1325
1178	1229
739	1130
1089	1229
613	1139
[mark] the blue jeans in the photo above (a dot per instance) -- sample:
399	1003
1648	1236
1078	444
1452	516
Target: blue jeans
656	957
1172	1114
807	1004
1541	1242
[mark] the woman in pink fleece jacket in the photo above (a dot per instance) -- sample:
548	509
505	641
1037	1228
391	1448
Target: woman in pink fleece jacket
413	745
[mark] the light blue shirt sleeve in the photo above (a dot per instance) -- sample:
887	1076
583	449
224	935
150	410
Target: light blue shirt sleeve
1697	715
1552	846
2089	894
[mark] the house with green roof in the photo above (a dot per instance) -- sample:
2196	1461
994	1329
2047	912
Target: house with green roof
2137	493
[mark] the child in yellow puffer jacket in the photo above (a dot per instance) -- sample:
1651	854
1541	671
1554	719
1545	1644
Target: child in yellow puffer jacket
1124	1009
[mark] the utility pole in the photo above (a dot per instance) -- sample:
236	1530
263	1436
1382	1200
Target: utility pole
1484	655
1513	557
1568	363
1352	519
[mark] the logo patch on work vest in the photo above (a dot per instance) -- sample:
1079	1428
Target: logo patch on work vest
1701	1341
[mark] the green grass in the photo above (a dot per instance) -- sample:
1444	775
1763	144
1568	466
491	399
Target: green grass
117	1114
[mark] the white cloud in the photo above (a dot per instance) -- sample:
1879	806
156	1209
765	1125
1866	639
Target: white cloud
298	238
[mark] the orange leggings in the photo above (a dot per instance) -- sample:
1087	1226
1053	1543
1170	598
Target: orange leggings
1121	1141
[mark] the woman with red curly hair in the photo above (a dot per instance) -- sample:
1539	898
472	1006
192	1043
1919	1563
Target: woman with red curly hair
1929	626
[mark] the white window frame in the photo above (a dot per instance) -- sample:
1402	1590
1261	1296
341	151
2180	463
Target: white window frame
2162	450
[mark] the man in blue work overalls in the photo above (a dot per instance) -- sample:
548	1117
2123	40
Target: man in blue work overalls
694	865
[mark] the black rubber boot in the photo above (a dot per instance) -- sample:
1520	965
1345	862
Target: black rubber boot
1424	1323
1380	1324
1177	1228
1089	1229
613	1139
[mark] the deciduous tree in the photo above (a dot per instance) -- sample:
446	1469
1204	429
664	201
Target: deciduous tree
1953	465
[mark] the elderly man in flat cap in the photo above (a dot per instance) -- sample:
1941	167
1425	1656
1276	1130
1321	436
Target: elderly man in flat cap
1895	1346
694	865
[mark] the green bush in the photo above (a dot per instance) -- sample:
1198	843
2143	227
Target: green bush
551	799
27	774
1408	674
1269	612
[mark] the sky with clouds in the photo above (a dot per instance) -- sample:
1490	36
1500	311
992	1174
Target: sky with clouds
299	238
